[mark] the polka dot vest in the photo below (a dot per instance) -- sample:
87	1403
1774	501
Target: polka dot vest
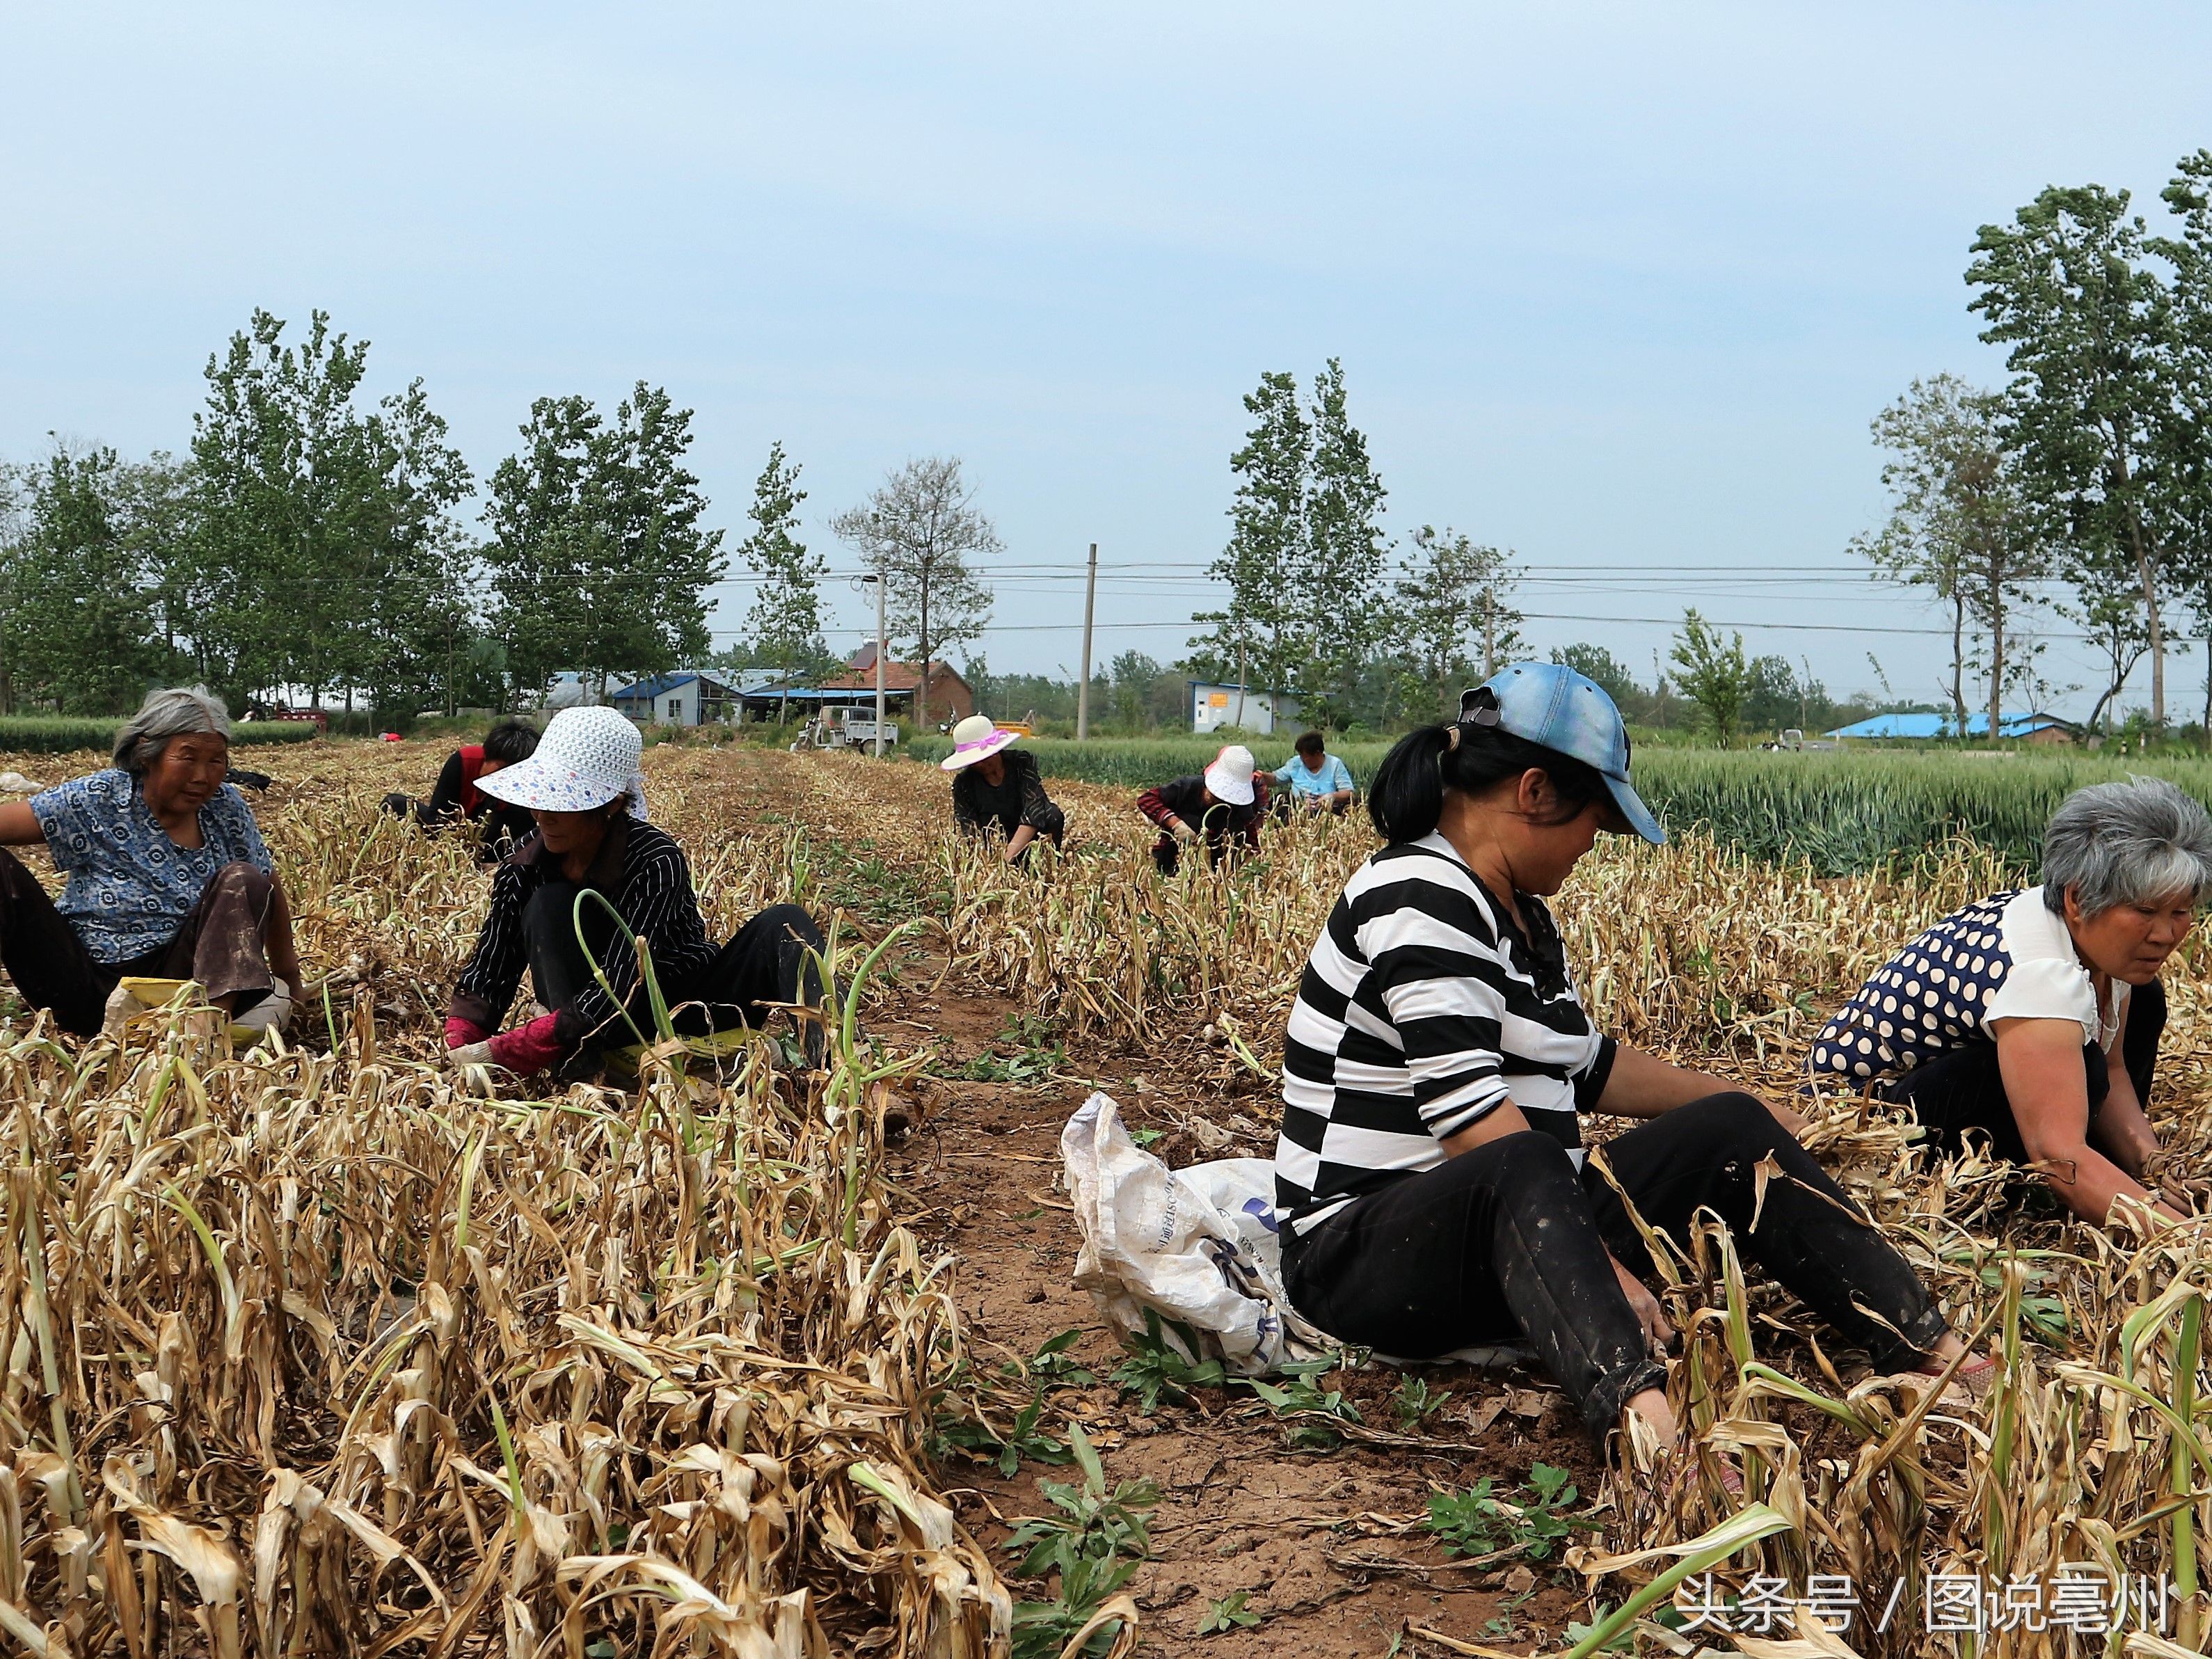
1928	998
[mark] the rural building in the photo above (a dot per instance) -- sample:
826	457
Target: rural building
950	697
1248	707
2036	728
680	699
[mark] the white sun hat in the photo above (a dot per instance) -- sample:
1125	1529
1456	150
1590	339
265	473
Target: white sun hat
587	757
1230	777
975	738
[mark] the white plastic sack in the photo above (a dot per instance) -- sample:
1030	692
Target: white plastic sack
1195	1246
1198	1246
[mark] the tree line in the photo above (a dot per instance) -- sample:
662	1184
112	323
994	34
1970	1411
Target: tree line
313	543
2082	485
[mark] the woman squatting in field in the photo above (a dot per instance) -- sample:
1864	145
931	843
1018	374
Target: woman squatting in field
579	787
167	878
455	797
2033	1017
1431	1166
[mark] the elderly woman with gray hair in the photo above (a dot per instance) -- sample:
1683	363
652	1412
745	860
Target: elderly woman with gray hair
2033	1017
167	878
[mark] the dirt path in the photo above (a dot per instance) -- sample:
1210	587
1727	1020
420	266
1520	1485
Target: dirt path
1328	1546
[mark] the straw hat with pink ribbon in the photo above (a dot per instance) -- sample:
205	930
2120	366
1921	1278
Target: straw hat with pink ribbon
975	739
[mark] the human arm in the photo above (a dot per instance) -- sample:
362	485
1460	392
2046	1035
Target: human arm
964	814
1645	1085
2122	1130
1160	805
1340	790
19	824
1036	805
1018	843
493	973
445	793
2048	1089
657	904
1507	1119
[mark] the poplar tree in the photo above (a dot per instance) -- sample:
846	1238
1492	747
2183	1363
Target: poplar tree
1255	638
784	626
1452	621
2092	403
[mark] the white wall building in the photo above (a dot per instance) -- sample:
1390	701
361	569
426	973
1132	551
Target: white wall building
1213	706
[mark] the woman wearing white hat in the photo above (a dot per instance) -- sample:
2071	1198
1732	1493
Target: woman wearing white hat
580	786
997	792
1223	806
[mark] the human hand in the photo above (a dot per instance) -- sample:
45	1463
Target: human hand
1183	831
459	1033
465	1055
1658	1331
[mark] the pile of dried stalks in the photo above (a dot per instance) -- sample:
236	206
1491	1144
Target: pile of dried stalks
310	1352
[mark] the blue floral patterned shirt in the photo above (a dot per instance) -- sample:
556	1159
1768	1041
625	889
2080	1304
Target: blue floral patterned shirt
129	886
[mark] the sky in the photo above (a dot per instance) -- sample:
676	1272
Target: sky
1617	286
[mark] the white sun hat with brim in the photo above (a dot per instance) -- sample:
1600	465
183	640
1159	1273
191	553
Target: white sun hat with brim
976	738
1230	777
587	757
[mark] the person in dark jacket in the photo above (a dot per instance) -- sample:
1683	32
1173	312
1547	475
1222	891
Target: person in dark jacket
577	788
1222	807
455	799
996	793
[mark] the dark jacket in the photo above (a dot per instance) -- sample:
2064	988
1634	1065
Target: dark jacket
1019	798
1219	824
643	873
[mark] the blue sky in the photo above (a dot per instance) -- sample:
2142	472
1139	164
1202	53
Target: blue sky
1617	285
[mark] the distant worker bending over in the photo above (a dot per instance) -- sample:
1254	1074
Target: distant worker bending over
1221	806
456	799
1317	780
998	793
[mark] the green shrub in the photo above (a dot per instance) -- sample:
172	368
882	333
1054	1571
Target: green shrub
62	734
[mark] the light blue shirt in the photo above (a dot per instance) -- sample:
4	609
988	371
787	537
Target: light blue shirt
129	886
1334	775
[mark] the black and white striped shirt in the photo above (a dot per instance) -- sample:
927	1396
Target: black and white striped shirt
643	873
1422	1009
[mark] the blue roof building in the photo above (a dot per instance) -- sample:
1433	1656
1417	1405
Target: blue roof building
2030	727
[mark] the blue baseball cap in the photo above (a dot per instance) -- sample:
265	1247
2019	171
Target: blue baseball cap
1549	703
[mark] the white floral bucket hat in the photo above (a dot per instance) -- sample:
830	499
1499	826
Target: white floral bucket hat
587	757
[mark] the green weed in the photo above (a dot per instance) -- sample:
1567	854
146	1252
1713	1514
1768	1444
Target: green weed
1156	1370
1229	1613
1477	1522
1092	1547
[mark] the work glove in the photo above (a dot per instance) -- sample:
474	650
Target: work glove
528	1049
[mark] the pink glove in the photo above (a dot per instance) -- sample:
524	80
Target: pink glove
528	1048
459	1033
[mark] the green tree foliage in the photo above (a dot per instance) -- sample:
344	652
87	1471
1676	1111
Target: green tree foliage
1452	625
1255	637
597	554
917	532
1713	674
1305	559
2186	458
783	629
1960	525
325	553
88	535
2089	329
1336	588
1612	676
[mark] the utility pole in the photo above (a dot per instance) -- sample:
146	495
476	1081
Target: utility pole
878	581
1083	689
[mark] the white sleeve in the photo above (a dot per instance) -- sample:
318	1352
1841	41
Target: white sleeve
2044	987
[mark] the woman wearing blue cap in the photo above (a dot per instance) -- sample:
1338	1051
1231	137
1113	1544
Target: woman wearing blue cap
1437	1059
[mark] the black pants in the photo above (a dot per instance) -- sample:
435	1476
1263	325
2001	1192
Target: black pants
219	943
1962	1089
770	960
1511	1241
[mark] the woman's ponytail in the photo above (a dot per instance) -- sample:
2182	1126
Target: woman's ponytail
1408	796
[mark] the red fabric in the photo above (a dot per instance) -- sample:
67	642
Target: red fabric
472	770
528	1048
459	1033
